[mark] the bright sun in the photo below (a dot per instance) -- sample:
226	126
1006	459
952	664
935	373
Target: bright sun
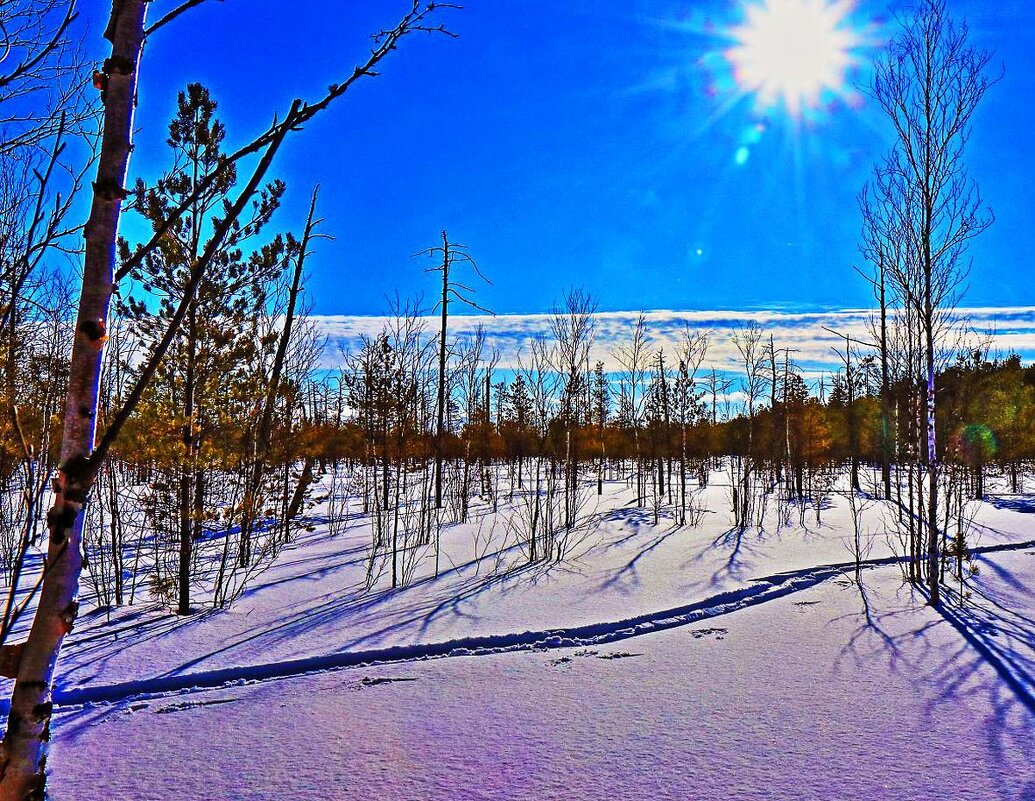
793	51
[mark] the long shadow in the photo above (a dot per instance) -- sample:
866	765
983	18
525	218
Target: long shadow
528	573
955	676
1003	636
354	603
630	570
959	671
358	605
736	564
96	643
760	591
91	652
426	610
734	536
873	624
631	517
1003	575
316	566
980	631
972	630
1024	504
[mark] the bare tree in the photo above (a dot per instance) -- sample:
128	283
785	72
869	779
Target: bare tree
450	253
748	342
632	358
41	74
929	82
262	443
693	347
882	246
573	328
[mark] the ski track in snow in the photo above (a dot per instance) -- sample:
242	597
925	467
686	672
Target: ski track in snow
761	591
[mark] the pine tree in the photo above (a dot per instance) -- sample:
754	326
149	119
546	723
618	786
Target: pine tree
219	335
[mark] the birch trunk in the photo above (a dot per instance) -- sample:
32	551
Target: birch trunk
933	558
23	755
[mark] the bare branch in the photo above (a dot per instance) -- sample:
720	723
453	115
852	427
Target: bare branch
170	16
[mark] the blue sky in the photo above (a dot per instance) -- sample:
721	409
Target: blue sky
587	144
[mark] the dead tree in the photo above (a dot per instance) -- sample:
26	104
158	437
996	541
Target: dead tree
262	438
748	342
450	253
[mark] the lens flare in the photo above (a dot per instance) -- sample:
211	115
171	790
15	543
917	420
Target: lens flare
978	442
793	53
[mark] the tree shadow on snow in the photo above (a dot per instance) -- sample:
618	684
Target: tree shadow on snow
989	664
1025	504
627	575
743	542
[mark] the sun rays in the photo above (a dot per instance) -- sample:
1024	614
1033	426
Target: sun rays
793	53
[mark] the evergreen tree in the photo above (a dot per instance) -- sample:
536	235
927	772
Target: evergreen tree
207	363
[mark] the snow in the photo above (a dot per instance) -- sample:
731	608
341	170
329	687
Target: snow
654	662
798	698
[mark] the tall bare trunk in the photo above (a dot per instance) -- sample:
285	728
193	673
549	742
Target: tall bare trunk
885	388
441	400
189	468
263	435
23	757
932	479
304	482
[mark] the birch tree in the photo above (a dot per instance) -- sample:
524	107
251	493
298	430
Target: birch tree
929	82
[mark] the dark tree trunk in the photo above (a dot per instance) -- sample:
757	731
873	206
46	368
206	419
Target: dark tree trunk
304	482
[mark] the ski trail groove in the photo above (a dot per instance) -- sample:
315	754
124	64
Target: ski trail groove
761	590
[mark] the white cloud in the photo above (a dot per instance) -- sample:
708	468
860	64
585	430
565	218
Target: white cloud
1011	329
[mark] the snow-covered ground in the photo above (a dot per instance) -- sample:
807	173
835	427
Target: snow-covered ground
655	662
